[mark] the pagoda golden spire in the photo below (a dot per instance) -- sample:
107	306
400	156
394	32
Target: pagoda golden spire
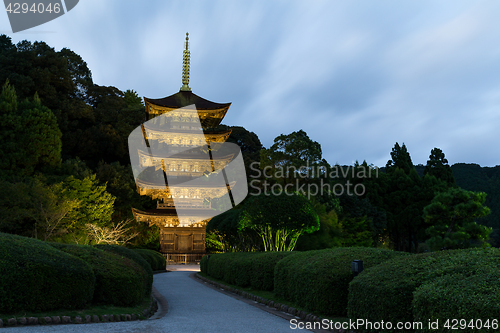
185	66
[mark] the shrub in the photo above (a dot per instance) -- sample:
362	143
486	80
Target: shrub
37	277
155	259
262	277
119	280
467	297
222	266
203	264
318	280
386	292
127	253
244	269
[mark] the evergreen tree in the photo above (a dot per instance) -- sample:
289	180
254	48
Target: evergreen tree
437	166
400	158
451	215
31	140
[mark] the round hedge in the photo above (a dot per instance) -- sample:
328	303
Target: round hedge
127	253
319	280
203	263
37	277
386	292
119	280
244	269
262	269
463	296
155	259
219	265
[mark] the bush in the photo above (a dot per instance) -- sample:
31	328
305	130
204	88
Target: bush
203	263
127	253
37	277
386	292
244	269
319	280
119	280
155	259
467	297
222	266
262	277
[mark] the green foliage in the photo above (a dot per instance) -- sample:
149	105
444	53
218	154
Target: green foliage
404	194
128	253
386	291
318	280
279	219
451	216
472	177
226	236
118	280
400	159
96	205
295	151
31	140
356	231
437	166
244	269
263	268
468	297
154	258
36	277
50	205
204	263
329	234
248	142
15	215
120	183
95	121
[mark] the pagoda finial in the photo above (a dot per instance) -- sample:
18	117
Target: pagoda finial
185	66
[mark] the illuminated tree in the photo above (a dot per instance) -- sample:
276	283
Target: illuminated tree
279	219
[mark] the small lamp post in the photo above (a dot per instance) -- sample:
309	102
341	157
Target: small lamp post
357	267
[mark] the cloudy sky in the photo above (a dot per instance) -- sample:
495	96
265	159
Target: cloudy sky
357	76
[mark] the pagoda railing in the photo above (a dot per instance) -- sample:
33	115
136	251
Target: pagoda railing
182	258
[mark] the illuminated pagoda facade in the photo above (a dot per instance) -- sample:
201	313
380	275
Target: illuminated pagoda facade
178	162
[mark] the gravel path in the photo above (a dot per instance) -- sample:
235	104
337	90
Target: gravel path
193	307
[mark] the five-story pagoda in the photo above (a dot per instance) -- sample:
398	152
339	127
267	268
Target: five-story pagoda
177	158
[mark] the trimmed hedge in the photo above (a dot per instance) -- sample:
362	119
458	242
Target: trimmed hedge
263	269
127	253
244	269
319	280
37	277
155	259
119	280
386	292
203	263
222	266
470	297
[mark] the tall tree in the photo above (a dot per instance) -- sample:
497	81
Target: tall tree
437	166
404	198
400	158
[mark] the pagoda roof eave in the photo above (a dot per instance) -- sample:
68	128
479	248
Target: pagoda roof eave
172	212
185	98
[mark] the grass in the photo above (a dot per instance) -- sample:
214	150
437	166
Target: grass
94	310
272	297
